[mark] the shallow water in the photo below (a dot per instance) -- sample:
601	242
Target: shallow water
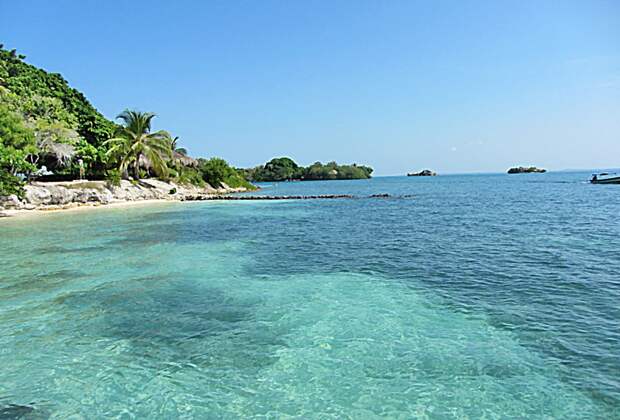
482	296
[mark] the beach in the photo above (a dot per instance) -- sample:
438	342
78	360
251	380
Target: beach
45	198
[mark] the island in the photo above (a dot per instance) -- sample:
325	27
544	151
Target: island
286	169
425	172
526	170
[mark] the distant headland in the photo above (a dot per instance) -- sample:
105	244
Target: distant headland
526	170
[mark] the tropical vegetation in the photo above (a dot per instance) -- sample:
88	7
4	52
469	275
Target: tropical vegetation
285	169
49	130
135	146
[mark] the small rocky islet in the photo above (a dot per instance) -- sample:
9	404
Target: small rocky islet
526	170
425	172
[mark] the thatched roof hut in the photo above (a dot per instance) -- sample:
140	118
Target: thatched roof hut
62	153
184	159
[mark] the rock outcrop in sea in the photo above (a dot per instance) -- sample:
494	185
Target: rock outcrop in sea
60	195
526	170
425	172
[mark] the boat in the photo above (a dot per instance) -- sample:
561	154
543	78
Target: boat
605	178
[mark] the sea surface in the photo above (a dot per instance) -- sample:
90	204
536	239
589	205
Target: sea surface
463	296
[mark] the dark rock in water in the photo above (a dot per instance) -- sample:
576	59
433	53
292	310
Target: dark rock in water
15	411
210	197
524	170
379	196
425	172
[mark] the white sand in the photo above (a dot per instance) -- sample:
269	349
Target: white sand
81	207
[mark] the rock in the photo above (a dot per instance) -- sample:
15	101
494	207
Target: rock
86	196
16	411
10	202
425	172
524	170
58	195
35	195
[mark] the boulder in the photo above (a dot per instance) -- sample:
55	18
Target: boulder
10	202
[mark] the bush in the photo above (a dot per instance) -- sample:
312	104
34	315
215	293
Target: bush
113	177
189	176
215	171
10	184
237	181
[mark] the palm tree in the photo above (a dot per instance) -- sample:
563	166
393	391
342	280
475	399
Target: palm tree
180	157
135	145
173	146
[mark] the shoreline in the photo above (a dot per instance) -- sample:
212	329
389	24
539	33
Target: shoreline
49	198
75	207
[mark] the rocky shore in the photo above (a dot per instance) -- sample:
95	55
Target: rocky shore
66	195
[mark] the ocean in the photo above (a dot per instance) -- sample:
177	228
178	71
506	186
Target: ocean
460	296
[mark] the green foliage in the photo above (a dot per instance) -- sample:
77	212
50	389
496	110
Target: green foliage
13	130
189	176
332	170
42	95
91	156
10	184
17	144
282	169
237	180
57	125
113	177
134	145
216	171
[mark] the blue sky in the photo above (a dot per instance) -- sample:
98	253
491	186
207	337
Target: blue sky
455	86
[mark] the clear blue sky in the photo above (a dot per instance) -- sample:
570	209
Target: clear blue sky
455	86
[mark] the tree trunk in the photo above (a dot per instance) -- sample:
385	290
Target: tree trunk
136	168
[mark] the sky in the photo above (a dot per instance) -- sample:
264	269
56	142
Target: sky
453	86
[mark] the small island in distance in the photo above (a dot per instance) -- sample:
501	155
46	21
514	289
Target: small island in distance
285	169
425	172
526	170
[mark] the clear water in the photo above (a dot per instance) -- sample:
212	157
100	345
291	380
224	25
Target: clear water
484	296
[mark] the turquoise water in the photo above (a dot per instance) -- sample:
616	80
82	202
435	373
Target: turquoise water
483	296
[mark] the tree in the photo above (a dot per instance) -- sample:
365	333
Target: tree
16	145
179	150
215	171
135	145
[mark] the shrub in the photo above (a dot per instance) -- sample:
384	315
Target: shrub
113	177
190	176
10	184
215	171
